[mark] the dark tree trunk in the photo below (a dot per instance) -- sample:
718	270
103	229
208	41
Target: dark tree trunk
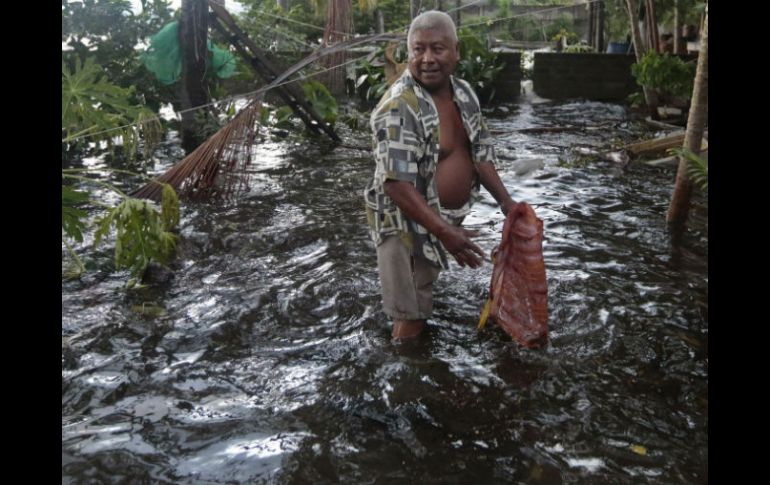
193	27
380	21
599	39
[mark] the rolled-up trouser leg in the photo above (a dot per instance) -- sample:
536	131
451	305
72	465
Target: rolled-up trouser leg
407	282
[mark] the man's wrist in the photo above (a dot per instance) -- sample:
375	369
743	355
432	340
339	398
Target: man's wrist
507	205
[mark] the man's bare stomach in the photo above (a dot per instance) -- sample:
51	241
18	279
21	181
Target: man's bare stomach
455	177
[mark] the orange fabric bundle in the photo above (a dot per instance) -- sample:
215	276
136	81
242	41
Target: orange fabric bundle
518	293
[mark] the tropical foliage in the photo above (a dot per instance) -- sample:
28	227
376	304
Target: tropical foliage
697	169
368	77
109	102
111	33
478	65
143	233
323	103
667	74
92	106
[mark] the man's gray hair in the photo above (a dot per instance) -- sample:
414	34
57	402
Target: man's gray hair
434	20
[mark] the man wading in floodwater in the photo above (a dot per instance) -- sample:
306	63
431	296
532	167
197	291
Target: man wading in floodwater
431	149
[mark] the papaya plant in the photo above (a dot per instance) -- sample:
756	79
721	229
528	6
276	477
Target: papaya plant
93	106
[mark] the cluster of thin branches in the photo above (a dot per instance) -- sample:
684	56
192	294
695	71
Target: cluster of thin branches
217	167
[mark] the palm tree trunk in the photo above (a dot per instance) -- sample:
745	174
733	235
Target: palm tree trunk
697	120
339	26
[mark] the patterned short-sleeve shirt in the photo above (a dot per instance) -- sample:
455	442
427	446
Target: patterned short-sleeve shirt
405	141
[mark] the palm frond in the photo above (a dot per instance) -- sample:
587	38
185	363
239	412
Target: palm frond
216	167
697	168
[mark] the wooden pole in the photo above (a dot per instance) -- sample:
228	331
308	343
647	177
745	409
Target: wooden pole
592	25
678	48
600	26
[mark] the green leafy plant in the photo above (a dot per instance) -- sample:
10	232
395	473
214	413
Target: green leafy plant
321	100
668	75
72	217
73	223
369	78
283	117
636	99
572	38
697	169
96	110
93	106
478	65
143	231
109	31
264	115
579	49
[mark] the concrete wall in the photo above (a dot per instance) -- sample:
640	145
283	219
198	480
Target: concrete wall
508	83
600	77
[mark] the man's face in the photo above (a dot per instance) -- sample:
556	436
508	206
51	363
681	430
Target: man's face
433	56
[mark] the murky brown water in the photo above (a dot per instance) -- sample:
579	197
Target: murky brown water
272	362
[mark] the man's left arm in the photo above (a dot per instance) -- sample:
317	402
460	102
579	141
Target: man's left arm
485	166
491	181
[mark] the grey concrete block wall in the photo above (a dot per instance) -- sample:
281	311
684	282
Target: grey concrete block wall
600	77
508	82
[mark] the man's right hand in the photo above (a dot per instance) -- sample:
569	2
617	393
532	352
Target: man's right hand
456	240
458	243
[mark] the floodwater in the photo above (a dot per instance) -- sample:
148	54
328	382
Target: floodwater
267	358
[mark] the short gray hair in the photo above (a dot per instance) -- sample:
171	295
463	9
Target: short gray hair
435	20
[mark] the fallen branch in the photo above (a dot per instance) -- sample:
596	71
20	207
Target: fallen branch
672	160
674	140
